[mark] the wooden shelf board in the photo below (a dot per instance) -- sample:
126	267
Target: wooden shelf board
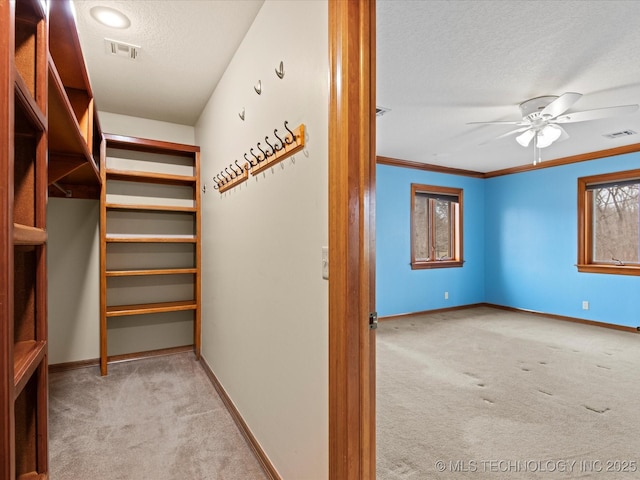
65	138
162	208
26	358
151	271
152	146
149	239
147	308
149	177
26	235
28	103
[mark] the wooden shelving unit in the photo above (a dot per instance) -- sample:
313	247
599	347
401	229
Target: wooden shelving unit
143	179
48	134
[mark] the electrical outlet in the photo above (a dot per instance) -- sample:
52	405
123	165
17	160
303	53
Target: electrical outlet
585	305
325	263
446	295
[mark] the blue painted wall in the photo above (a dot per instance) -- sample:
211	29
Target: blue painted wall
520	246
399	289
531	240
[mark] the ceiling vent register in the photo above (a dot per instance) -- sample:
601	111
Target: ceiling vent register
122	49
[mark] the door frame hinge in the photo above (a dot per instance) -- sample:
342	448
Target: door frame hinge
373	320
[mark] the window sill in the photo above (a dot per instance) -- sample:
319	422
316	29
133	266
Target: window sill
436	264
610	269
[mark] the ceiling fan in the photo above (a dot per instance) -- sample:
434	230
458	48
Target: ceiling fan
542	116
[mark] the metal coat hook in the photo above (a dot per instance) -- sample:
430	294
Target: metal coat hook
288	130
258	89
281	146
249	161
241	115
280	71
254	156
204	188
266	139
264	154
238	165
232	175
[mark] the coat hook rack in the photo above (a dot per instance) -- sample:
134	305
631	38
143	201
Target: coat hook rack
292	143
280	71
231	176
258	89
241	114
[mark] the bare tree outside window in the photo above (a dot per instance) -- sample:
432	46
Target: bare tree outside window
609	223
616	224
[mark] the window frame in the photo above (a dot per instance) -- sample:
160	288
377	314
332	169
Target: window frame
457	259
586	262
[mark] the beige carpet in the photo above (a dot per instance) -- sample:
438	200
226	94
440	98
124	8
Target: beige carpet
485	393
157	418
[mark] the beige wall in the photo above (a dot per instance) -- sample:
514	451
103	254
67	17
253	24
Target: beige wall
73	258
265	304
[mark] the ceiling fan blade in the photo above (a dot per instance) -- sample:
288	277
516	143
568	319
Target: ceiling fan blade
512	132
560	104
596	114
525	138
517	122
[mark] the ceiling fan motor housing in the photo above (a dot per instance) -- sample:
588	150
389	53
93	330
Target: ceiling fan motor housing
531	108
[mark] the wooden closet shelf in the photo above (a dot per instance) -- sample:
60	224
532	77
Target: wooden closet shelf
29	105
149	239
162	208
25	235
151	271
26	358
150	177
146	308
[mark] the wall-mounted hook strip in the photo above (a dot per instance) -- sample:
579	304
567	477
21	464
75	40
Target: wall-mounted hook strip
280	71
237	179
293	143
241	114
258	89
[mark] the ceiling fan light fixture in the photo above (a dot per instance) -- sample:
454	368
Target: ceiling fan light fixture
524	139
548	135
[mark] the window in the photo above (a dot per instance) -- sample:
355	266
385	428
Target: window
436	226
609	223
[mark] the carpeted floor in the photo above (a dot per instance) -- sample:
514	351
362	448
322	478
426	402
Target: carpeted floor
158	418
486	393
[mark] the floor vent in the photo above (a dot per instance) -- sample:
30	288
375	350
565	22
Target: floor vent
623	133
121	49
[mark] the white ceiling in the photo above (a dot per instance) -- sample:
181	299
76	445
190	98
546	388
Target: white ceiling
186	47
440	64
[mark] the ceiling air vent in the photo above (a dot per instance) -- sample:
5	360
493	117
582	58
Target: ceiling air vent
623	133
381	111
121	49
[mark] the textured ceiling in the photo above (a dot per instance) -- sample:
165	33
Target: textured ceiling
186	47
441	64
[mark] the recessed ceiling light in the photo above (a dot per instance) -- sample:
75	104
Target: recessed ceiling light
110	17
